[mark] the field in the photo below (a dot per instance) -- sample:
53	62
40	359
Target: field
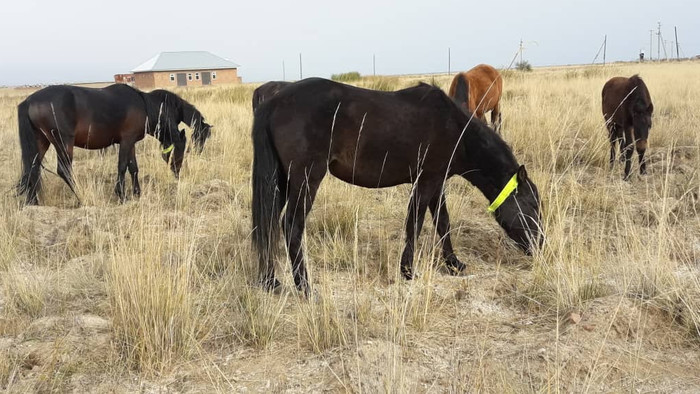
157	294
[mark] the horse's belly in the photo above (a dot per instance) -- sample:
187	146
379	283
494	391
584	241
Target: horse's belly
371	175
93	138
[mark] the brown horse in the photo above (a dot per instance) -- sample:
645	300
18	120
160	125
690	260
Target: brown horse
378	139
627	109
70	116
267	90
484	86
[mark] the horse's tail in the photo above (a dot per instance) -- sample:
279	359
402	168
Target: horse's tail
269	194
461	92
257	99
30	181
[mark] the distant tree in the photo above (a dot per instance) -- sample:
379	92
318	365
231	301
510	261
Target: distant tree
523	66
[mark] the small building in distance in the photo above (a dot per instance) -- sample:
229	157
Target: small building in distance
191	68
124	78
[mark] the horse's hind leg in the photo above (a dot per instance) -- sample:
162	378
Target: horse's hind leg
496	118
34	179
614	139
301	192
64	167
441	220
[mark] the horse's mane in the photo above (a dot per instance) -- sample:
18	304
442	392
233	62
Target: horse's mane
162	105
641	93
636	80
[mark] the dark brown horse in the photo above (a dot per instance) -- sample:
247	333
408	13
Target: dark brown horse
482	89
70	116
377	139
627	109
267	90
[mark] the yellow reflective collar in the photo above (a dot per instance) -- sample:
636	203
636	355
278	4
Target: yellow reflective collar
507	191
168	149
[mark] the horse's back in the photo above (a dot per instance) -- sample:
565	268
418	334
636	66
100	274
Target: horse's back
487	79
485	87
93	117
364	137
614	92
267	90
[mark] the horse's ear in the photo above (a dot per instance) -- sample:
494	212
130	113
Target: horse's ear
522	174
182	134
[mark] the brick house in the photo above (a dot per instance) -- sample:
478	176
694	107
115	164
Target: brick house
192	68
124	78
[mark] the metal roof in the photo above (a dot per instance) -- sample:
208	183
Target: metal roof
189	60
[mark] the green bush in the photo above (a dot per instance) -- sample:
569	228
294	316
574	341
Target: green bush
523	66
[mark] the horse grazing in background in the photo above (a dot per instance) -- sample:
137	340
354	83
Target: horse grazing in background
267	90
627	109
479	91
378	139
70	116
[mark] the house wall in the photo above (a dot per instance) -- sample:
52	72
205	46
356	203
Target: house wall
161	79
144	80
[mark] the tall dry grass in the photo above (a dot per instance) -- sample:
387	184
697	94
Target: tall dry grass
172	273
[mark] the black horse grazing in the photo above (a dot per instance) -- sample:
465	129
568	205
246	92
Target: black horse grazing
267	90
627	110
69	116
378	139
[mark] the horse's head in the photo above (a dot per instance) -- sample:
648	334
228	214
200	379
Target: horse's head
519	214
641	108
200	133
641	118
173	145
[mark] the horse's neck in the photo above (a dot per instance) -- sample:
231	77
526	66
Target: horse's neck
490	164
190	115
157	116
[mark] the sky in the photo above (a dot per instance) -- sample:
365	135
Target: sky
48	41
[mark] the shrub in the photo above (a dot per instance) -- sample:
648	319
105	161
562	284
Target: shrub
523	66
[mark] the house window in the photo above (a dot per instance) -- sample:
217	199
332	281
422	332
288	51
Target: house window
196	76
213	75
172	77
189	76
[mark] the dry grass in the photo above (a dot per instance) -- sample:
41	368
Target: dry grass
156	294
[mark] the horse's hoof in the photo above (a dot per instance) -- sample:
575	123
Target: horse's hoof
271	285
407	274
455	267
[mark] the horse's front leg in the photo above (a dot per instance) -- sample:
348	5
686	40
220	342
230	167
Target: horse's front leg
124	153
134	172
441	220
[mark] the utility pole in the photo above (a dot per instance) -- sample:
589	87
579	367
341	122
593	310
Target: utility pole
300	73
658	42
651	35
675	28
374	65
449	61
284	77
521	51
605	47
